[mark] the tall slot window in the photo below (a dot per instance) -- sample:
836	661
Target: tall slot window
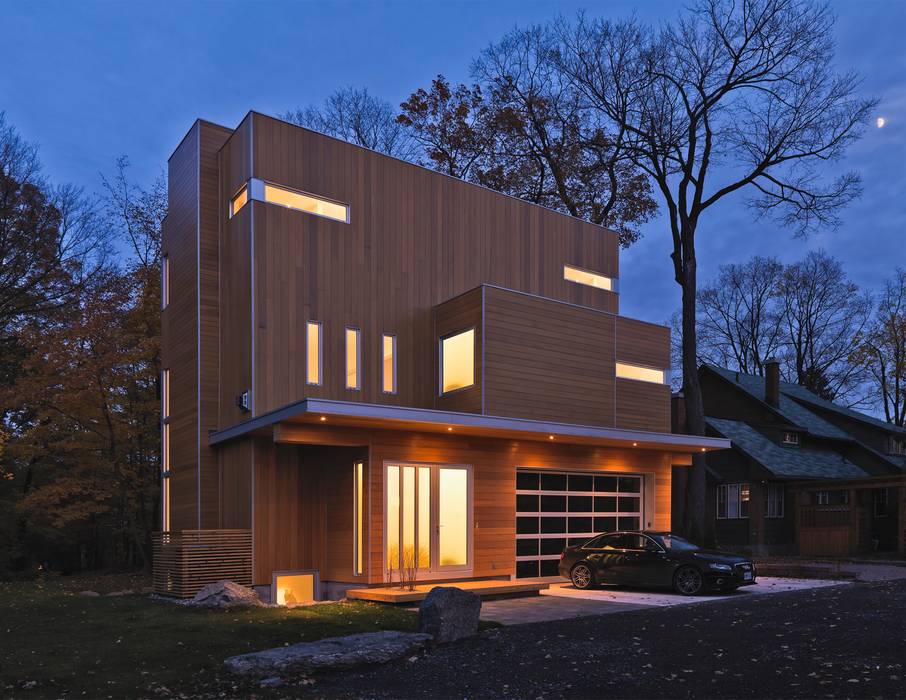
165	449
164	281
238	201
353	359
313	352
457	361
388	363
358	477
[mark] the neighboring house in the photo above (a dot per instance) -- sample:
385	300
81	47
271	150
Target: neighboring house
793	452
369	365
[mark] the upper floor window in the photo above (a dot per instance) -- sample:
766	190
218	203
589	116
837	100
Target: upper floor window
165	395
306	202
773	500
457	361
388	363
164	281
353	359
313	352
640	373
791	438
896	447
588	278
732	501
239	200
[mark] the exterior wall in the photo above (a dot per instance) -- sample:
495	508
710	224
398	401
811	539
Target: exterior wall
460	314
189	325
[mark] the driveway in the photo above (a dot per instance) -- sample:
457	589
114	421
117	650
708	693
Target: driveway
562	601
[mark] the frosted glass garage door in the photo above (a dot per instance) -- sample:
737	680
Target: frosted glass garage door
559	509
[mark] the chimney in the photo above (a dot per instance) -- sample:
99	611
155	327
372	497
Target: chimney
678	413
772	382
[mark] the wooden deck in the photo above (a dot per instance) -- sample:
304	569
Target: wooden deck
482	588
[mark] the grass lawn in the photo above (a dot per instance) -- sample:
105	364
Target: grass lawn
55	642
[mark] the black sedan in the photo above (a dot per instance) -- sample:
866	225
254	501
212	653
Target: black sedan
656	559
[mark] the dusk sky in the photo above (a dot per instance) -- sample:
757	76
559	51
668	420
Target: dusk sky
90	81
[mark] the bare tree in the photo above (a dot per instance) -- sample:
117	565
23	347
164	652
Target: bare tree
883	353
825	316
354	115
746	84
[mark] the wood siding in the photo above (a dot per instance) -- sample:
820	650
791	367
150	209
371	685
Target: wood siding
460	314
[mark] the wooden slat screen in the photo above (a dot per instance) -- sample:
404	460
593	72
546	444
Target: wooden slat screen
188	560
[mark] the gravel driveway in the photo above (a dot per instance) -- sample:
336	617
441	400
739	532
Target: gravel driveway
840	641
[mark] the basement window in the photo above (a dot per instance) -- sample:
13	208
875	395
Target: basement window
294	587
641	374
588	278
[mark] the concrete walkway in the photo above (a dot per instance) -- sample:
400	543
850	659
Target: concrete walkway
562	601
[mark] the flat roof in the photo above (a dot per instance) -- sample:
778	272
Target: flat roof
374	416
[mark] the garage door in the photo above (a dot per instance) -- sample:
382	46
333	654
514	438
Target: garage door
557	509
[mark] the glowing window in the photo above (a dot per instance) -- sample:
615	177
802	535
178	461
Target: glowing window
164	281
388	356
165	476
642	374
239	201
359	515
165	394
457	361
589	279
353	359
294	589
306	202
313	352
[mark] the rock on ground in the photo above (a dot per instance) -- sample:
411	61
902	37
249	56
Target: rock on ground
449	614
333	652
226	594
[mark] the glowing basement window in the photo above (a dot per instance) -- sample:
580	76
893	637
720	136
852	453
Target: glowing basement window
388	356
294	589
239	201
642	374
589	279
359	515
306	202
313	352
353	359
457	361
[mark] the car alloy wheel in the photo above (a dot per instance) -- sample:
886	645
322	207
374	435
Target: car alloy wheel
582	577
689	581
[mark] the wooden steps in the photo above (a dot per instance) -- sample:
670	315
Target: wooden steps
482	588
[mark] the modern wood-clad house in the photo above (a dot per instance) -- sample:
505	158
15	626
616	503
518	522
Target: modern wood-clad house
369	364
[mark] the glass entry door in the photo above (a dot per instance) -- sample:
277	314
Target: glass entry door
428	518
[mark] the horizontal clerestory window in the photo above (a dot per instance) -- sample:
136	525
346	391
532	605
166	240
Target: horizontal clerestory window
262	191
641	373
589	278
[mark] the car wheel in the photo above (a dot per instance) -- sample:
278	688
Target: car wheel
582	576
688	581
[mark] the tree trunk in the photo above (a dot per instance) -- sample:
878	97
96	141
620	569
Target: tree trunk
695	523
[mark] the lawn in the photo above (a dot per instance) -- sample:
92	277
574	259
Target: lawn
55	642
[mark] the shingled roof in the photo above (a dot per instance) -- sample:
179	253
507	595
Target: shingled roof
800	393
790	462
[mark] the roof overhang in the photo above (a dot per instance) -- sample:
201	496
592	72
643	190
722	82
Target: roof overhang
349	414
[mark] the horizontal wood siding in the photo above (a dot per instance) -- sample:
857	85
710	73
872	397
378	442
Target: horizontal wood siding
460	314
186	561
642	343
546	360
643	405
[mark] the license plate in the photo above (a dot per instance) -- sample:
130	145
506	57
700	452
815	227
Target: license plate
747	576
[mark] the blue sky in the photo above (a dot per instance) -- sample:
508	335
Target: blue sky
89	81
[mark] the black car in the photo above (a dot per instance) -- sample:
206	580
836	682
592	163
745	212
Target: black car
656	559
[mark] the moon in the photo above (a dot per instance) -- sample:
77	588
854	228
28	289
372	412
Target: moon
881	122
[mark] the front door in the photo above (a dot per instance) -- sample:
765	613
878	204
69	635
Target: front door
428	522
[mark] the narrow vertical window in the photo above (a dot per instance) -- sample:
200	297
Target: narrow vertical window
313	352
358	544
388	353
164	281
353	359
165	450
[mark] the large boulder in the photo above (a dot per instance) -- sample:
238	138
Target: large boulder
449	614
330	653
226	594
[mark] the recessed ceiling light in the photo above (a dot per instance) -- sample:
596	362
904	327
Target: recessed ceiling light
550	437
450	430
635	444
323	418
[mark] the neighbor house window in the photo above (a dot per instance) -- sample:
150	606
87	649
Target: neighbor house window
353	359
239	201
879	501
791	438
588	278
388	363
165	450
306	202
457	361
896	447
165	281
641	374
358	491
773	500
732	501
313	352
832	498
